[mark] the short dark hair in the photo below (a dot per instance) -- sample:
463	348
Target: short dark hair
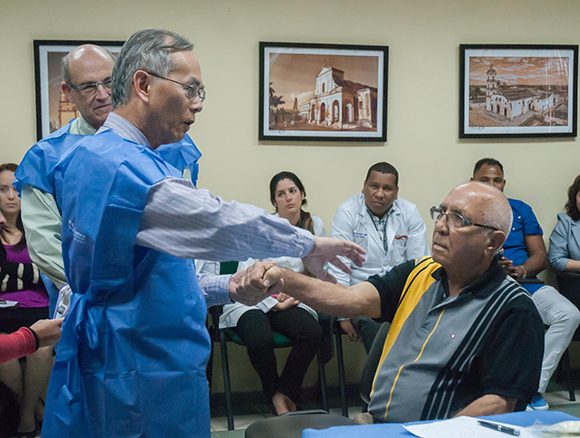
489	162
571	207
383	167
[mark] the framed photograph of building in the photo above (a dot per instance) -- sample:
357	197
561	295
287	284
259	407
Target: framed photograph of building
53	110
323	92
518	90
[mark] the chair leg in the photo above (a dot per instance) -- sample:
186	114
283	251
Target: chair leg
209	369
341	377
322	381
226	376
566	365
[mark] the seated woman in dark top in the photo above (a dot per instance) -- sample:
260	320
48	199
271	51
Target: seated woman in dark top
24	301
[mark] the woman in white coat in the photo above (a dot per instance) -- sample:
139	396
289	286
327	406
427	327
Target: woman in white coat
281	313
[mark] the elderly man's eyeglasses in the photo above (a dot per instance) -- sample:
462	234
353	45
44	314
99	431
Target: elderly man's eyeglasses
454	219
89	89
193	90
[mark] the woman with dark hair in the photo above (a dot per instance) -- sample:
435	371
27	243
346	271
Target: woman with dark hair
281	313
24	301
564	252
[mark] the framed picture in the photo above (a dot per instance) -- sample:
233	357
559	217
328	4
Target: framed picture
518	90
323	92
53	110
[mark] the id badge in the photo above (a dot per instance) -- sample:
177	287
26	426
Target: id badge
63	301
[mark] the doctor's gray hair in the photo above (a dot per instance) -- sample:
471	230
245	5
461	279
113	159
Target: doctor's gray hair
149	50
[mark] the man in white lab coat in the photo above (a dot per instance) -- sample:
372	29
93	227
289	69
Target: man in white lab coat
389	228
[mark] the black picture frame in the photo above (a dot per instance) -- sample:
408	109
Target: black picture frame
518	90
51	109
338	92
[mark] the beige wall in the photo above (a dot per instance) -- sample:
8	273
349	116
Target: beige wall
423	37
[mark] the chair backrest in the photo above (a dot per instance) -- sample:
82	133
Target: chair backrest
228	267
292	424
568	283
370	368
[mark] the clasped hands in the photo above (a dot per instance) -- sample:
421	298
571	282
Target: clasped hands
516	271
257	282
265	278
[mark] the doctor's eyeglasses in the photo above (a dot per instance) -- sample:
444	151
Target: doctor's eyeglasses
89	89
193	90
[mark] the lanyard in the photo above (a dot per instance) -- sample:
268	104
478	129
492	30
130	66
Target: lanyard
384	230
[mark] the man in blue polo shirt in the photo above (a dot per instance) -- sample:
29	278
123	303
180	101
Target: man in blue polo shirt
524	256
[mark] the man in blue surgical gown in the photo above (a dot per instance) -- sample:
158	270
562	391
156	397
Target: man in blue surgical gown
132	357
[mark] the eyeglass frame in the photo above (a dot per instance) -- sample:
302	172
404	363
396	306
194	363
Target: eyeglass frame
196	90
464	221
92	85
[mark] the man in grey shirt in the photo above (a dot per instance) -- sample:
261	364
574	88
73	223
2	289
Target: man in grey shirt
465	339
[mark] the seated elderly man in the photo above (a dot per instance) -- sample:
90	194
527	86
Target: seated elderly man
465	338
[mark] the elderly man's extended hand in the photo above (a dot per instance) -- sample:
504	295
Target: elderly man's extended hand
250	286
326	249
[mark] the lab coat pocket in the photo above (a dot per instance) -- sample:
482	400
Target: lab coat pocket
361	239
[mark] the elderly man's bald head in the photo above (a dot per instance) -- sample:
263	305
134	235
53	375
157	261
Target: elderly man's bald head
93	52
473	227
493	207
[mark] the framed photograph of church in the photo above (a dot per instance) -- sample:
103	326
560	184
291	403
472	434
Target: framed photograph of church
518	90
323	92
53	110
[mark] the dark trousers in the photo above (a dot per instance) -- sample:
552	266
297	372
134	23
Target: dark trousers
255	328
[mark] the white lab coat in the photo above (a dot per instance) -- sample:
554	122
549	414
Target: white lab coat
405	236
233	312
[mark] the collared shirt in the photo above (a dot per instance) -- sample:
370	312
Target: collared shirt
191	223
443	352
81	127
125	129
564	242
